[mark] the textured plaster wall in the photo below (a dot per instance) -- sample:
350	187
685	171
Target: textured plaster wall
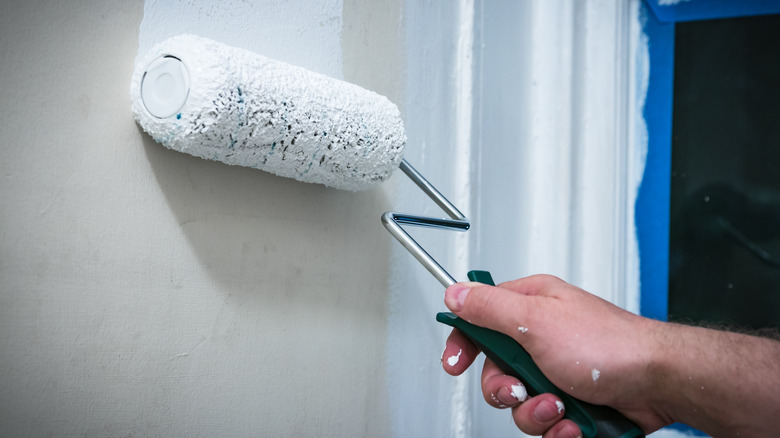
145	292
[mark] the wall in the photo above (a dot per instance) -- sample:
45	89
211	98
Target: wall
146	292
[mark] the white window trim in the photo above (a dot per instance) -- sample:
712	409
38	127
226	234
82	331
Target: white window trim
558	162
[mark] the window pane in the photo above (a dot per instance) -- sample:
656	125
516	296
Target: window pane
725	201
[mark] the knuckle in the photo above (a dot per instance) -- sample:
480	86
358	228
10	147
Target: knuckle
480	301
547	278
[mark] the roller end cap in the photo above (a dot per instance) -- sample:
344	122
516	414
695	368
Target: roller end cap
165	86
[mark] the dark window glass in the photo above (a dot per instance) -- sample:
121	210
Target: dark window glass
725	201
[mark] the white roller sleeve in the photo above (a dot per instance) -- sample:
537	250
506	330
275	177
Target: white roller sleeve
227	104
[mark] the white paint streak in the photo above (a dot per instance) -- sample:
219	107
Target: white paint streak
459	413
560	406
461	174
464	96
523	329
594	373
453	360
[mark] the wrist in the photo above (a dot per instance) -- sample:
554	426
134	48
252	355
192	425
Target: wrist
662	374
651	373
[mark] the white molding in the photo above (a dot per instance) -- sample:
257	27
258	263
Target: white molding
553	172
461	183
557	148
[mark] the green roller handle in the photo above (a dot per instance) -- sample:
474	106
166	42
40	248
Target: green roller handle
594	421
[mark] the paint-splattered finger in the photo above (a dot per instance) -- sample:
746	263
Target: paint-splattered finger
459	353
500	390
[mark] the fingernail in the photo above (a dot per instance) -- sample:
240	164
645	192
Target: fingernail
455	296
510	395
547	411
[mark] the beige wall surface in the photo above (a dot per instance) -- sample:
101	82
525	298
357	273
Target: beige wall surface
144	292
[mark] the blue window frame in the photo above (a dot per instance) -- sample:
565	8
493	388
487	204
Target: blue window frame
653	200
652	212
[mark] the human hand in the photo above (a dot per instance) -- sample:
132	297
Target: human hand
586	346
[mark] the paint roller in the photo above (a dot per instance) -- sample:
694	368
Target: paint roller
231	105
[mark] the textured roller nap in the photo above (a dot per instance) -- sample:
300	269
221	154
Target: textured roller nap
248	110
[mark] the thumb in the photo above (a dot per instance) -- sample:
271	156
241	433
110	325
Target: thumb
492	307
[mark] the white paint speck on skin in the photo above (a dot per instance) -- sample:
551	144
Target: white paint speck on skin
452	360
523	329
519	392
497	401
560	406
594	373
